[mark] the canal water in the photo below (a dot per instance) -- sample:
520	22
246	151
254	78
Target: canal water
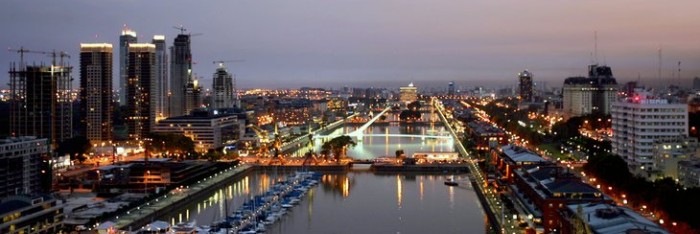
361	201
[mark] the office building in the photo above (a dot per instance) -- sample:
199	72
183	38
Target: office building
223	96
161	90
592	94
408	94
20	159
40	103
31	214
193	96
128	37
641	120
525	84
180	73
96	91
141	84
668	152
208	129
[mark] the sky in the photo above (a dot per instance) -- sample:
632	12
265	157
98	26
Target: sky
380	43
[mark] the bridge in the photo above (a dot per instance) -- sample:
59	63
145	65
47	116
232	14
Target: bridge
359	132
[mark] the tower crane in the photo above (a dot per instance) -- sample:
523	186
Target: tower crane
21	51
183	30
221	62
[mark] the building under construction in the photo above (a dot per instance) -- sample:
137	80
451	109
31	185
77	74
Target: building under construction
40	102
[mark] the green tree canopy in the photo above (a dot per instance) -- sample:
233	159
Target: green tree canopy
76	147
338	145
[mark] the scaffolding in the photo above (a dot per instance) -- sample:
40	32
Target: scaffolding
40	103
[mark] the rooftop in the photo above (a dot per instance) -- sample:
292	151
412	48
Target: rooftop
608	218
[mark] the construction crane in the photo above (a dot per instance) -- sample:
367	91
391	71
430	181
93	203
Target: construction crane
183	30
53	54
221	62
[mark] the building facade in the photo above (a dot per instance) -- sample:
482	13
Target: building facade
193	96
40	103
592	94
142	82
180	73
525	85
223	96
31	214
96	91
408	94
161	90
208	130
641	120
689	173
128	37
20	159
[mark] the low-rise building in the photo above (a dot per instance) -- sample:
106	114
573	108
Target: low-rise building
30	214
543	191
606	218
689	173
511	157
485	136
208	129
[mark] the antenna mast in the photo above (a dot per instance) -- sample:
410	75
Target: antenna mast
595	47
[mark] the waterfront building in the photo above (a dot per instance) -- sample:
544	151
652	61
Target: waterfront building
525	84
606	218
161	90
155	175
180	73
511	157
592	94
639	121
208	129
31	214
485	136
96	91
40	103
689	172
543	191
141	83
127	37
20	162
223	89
408	94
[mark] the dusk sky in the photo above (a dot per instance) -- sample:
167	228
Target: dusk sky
332	43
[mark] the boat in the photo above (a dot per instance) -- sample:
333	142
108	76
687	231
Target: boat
183	228
451	181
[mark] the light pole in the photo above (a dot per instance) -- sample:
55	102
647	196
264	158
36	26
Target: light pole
145	180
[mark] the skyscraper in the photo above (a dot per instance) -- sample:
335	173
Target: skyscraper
525	86
223	89
193	96
408	94
128	37
96	91
180	73
161	91
141	84
451	88
40	102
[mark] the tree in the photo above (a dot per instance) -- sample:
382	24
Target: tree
338	145
399	153
76	147
171	142
414	106
213	155
409	115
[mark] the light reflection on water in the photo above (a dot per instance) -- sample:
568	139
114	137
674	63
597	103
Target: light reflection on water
373	145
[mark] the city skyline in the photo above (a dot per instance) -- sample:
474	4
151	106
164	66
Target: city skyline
293	44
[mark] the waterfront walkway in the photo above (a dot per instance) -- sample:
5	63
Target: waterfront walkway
138	214
490	201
